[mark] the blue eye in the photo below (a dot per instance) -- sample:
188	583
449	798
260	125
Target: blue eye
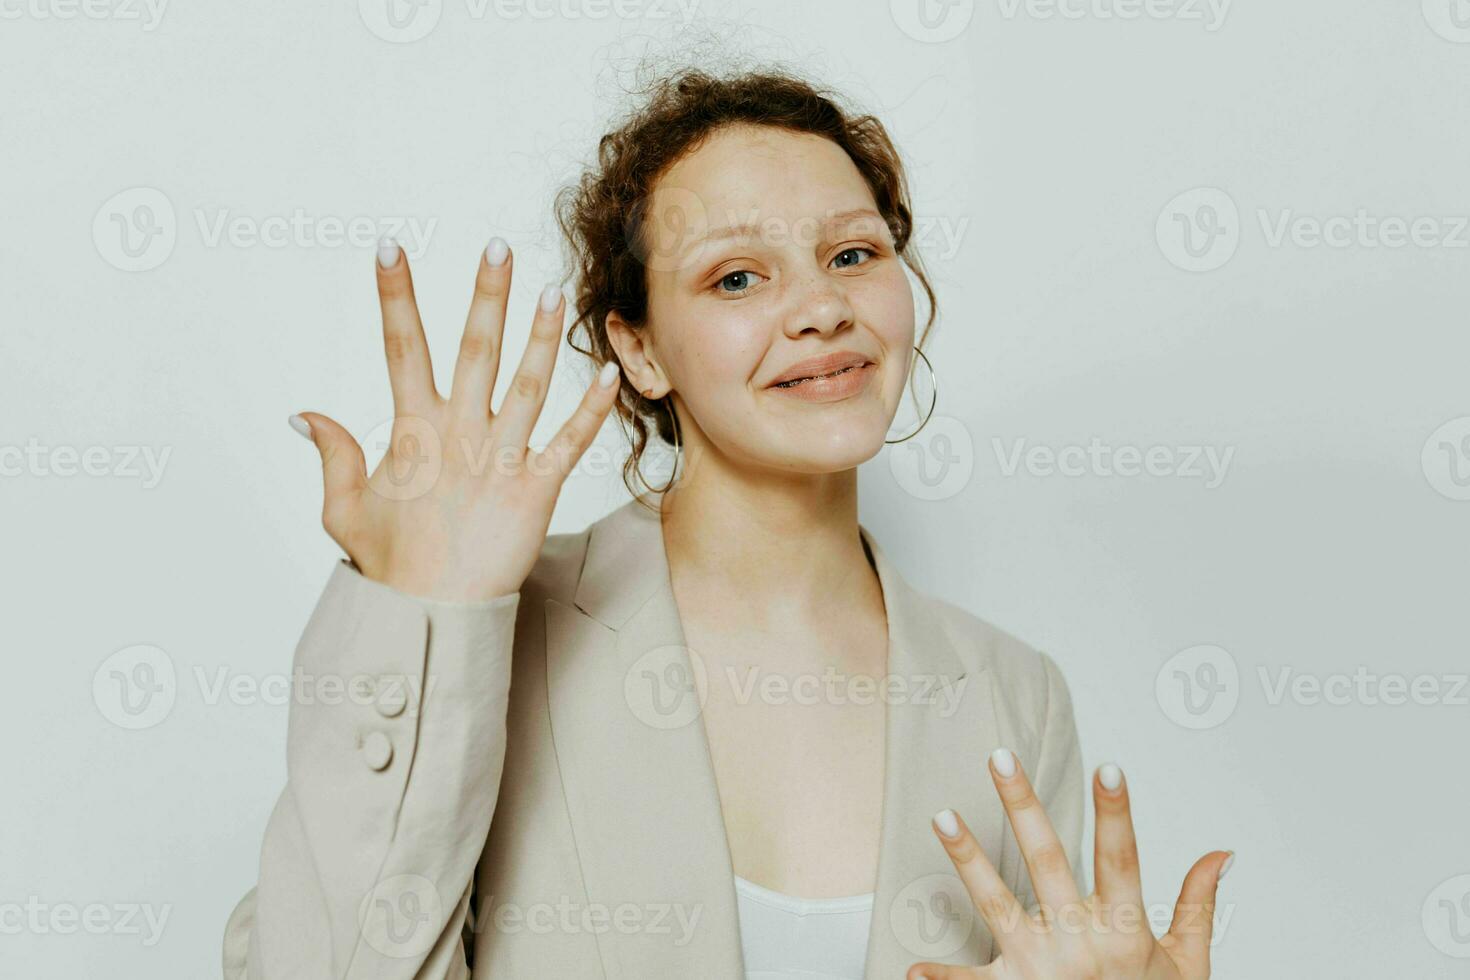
854	249
741	275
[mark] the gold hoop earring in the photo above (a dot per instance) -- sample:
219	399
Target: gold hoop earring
673	424
933	383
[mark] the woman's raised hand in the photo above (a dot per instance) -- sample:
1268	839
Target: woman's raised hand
459	507
1105	936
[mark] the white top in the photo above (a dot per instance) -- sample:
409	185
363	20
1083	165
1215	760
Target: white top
789	938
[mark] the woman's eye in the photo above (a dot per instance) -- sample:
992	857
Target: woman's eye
853	251
738	281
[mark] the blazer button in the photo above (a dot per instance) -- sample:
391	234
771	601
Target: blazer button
391	696
377	751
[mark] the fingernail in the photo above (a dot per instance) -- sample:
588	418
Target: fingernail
1110	776
388	252
1004	762
302	426
1226	866
496	251
607	374
550	297
947	824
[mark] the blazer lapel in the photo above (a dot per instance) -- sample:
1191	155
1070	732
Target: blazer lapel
941	728
635	765
624	703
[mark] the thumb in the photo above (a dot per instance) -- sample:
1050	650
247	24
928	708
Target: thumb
1194	913
344	470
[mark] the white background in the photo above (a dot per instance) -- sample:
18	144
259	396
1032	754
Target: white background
1048	148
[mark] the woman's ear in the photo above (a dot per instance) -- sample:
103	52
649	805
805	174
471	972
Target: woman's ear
632	349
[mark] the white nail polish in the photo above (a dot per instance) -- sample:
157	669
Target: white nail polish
1226	866
1110	776
388	252
1004	762
496	251
302	426
607	374
947	824
550	297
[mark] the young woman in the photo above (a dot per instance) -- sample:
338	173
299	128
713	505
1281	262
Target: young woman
716	733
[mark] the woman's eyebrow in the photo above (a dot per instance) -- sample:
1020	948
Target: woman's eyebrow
748	228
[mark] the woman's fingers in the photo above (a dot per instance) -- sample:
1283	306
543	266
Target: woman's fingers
995	902
941	971
1194	913
1115	849
522	404
484	329
344	472
1046	858
409	371
577	433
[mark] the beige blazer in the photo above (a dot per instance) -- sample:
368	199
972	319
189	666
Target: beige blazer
606	856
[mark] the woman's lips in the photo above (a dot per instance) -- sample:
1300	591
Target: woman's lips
844	384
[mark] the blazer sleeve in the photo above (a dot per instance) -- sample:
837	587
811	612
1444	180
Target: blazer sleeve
394	749
1058	780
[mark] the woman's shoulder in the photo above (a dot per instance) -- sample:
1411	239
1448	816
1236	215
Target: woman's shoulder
1020	671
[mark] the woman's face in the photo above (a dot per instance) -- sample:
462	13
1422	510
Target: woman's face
732	310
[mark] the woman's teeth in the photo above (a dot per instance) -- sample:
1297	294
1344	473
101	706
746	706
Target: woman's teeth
793	384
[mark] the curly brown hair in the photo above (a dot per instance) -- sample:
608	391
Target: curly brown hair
603	214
